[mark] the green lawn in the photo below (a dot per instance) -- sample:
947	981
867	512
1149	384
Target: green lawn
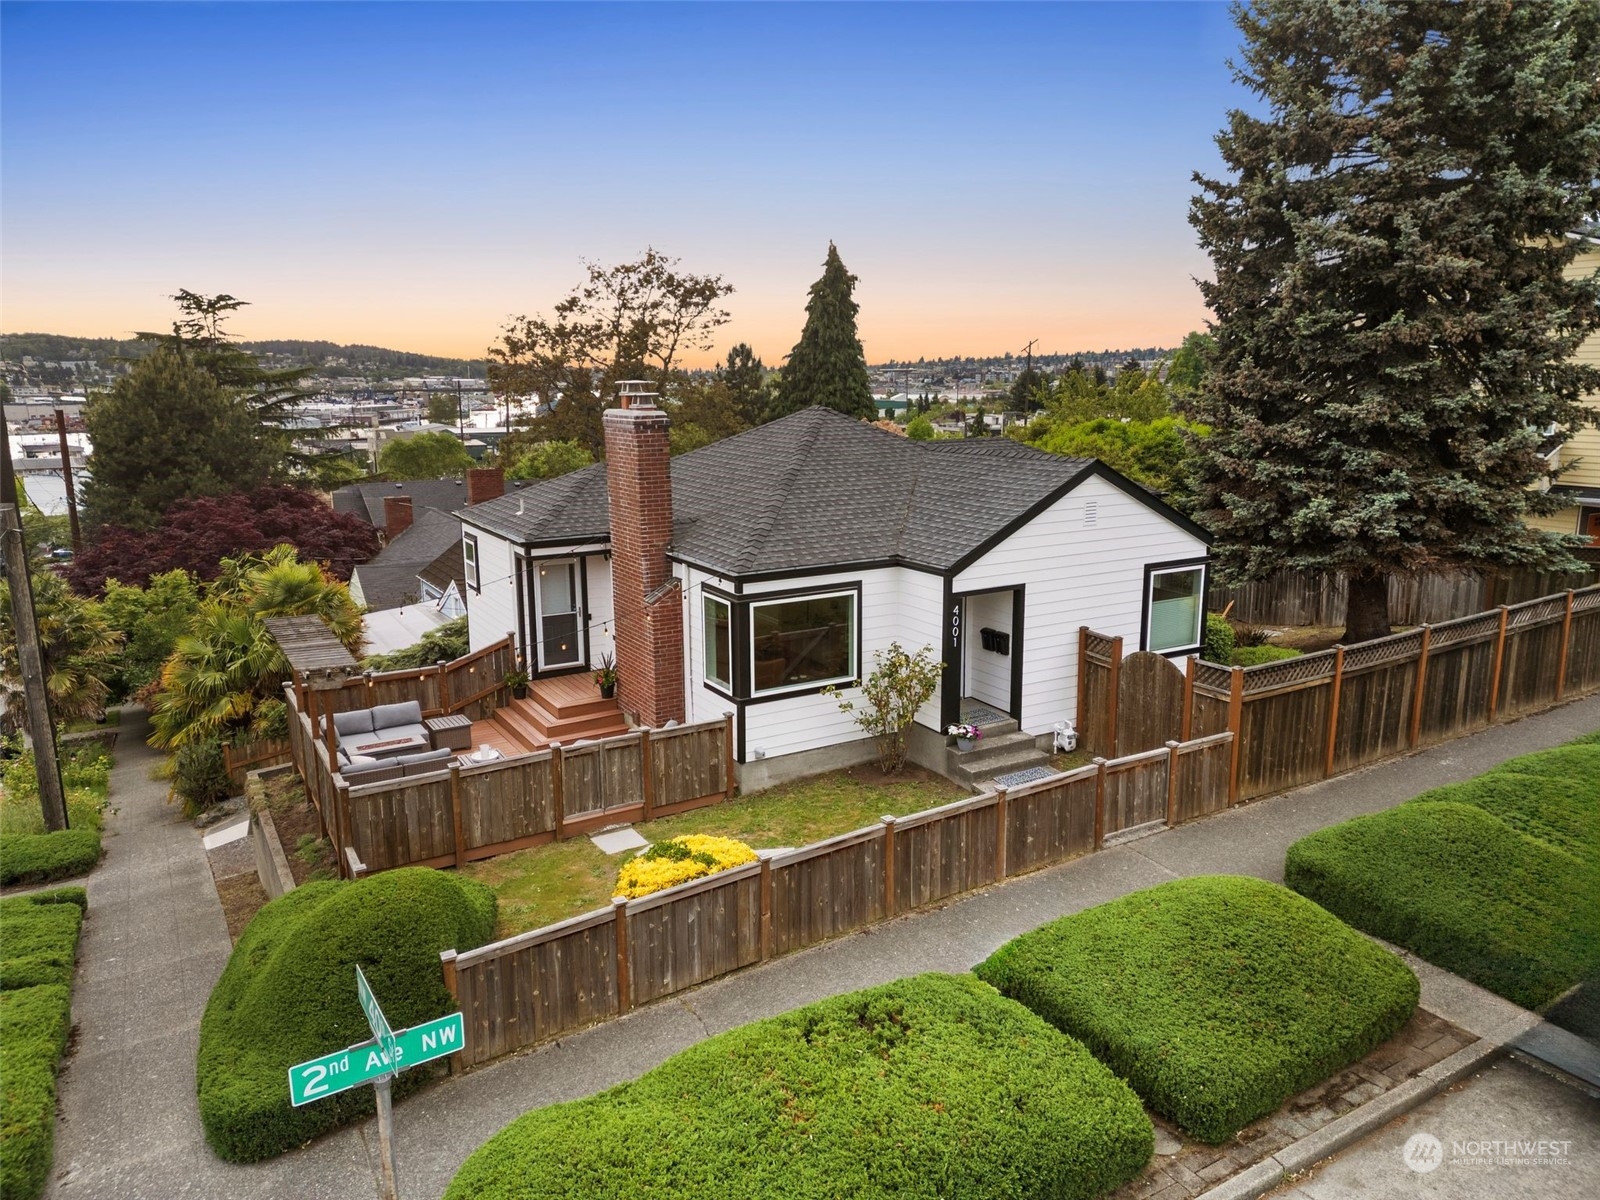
1496	878
550	883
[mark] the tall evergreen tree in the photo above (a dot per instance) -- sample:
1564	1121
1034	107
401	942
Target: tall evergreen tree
1394	331
827	365
746	379
168	431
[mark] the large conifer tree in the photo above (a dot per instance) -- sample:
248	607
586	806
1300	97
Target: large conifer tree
1394	332
827	365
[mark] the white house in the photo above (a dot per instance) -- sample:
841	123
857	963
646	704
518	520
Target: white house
748	576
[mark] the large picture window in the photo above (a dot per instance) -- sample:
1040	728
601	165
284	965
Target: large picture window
807	641
718	638
1174	605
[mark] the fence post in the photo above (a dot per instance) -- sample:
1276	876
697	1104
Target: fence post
619	908
341	803
557	793
1236	726
728	746
1100	803
1186	731
1172	783
1422	678
647	775
1000	811
766	908
1333	711
1116	686
447	963
1566	641
1499	662
888	867
455	813
1083	681
444	685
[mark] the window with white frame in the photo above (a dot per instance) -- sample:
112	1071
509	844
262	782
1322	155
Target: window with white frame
469	556
802	642
1174	602
717	635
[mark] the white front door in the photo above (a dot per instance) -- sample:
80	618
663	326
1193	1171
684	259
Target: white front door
559	621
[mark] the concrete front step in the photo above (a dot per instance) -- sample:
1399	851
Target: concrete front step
976	773
998	745
997	728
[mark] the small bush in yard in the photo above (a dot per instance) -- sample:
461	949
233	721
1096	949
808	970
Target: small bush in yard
1219	641
678	860
1463	889
1254	656
288	994
928	1087
1217	997
30	855
38	942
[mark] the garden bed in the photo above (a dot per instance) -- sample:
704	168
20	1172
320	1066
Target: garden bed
930	1087
550	883
1496	879
38	948
1216	997
29	855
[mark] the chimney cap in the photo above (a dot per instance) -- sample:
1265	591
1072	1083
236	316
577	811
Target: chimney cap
636	393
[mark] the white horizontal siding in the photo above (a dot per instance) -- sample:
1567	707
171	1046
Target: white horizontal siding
601	608
988	673
700	702
492	607
1076	574
921	606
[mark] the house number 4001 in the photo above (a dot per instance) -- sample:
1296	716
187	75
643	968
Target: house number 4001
955	625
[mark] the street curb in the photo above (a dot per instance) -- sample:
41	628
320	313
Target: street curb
1299	1156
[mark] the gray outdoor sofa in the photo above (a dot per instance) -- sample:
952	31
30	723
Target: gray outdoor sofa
387	731
381	770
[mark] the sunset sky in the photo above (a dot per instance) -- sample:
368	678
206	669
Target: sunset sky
411	175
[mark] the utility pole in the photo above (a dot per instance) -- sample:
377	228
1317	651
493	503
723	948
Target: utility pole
66	477
30	656
1027	400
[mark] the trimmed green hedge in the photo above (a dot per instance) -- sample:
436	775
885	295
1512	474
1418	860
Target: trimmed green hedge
42	857
1217	997
928	1087
38	942
1254	656
288	994
1463	889
27	853
1552	795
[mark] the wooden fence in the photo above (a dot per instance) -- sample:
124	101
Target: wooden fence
1318	597
548	982
1307	718
239	760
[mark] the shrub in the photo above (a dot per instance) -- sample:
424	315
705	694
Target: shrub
1462	889
900	684
38	940
1219	640
34	1023
27	853
1254	656
288	994
199	776
44	857
928	1087
1553	795
1217	997
678	860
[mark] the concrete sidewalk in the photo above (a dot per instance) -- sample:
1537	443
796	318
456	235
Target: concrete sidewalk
165	1156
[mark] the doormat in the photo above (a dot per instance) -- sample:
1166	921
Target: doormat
1016	778
981	714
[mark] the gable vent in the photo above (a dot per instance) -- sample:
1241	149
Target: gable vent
1091	512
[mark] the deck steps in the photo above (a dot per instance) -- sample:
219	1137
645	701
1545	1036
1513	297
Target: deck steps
566	709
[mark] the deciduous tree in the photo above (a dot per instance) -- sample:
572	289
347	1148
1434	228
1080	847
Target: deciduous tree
1394	332
827	365
437	455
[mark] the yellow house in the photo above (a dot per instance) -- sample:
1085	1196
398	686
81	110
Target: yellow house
1580	483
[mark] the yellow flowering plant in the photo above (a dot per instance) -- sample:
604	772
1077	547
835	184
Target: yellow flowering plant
678	860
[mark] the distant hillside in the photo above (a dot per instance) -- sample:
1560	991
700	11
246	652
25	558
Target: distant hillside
371	362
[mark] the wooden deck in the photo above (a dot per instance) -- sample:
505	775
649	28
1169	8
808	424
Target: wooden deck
565	709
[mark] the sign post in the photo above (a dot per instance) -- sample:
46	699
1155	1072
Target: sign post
377	1062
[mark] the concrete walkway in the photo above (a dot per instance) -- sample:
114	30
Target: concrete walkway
136	1133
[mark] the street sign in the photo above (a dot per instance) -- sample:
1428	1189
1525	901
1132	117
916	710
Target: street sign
345	1069
375	1018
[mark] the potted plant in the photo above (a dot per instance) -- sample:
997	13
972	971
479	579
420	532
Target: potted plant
517	681
605	676
966	736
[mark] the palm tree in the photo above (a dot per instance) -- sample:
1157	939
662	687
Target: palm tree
79	650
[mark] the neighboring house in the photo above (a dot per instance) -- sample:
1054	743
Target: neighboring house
370	500
1579	484
749	576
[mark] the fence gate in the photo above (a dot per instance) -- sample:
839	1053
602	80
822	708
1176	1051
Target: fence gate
1149	704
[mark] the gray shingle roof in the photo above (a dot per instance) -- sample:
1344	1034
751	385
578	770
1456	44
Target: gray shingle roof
390	579
814	489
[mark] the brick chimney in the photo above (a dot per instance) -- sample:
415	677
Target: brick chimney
396	516
648	600
485	483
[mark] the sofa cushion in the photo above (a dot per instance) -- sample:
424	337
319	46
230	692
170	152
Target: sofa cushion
356	721
427	762
408	712
377	771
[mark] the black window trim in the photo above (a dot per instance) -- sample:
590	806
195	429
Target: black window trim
853	679
1150	572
